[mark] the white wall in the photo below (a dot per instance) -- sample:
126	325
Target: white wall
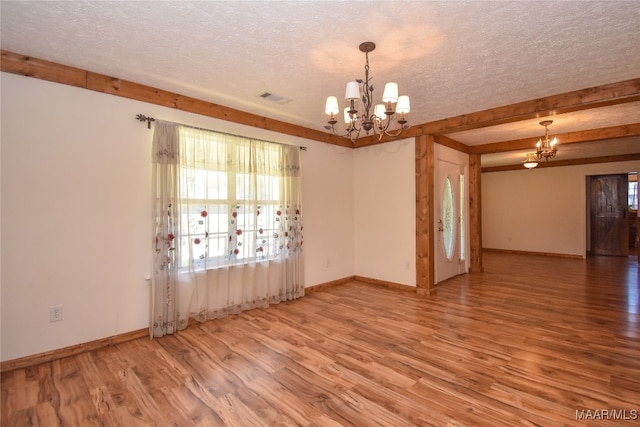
541	210
385	224
328	212
76	212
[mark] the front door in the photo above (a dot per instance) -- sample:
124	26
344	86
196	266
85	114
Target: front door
447	217
609	228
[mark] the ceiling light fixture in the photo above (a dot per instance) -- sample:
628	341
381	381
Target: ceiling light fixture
377	119
546	148
530	162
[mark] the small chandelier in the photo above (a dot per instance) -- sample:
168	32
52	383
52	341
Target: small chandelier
377	119
545	148
530	162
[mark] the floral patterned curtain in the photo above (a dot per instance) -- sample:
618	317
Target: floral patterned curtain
165	317
236	241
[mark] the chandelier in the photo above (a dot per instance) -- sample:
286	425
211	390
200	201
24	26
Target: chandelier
546	148
376	119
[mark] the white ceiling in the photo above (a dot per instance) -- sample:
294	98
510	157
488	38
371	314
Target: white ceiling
451	57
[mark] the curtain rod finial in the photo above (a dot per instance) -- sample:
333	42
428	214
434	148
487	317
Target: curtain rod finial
143	118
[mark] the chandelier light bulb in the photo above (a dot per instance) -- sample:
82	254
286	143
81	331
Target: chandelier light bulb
352	92
347	116
390	93
403	106
331	107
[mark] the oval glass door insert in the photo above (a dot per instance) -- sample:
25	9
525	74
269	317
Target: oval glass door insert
448	223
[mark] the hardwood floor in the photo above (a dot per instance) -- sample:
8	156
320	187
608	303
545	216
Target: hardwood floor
533	341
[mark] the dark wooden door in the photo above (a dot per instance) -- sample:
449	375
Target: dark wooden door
609	228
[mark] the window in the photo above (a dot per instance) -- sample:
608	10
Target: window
633	191
222	201
463	237
448	221
231	199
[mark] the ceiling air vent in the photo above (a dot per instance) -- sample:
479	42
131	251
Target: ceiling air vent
275	98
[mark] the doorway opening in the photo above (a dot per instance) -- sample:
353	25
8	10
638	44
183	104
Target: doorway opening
612	211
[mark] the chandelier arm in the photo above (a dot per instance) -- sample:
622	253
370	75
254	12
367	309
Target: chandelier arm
354	125
395	133
383	128
391	133
351	131
354	134
333	129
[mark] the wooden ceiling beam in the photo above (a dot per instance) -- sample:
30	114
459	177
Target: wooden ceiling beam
568	162
58	73
563	139
599	96
452	143
584	99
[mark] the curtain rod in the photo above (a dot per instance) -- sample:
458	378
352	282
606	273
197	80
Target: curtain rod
143	118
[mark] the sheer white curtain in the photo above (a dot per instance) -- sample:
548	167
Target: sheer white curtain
165	318
234	235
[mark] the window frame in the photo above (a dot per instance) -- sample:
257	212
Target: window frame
263	234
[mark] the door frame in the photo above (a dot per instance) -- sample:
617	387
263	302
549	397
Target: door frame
461	161
587	203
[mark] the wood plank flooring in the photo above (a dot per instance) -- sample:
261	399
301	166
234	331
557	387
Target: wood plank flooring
533	341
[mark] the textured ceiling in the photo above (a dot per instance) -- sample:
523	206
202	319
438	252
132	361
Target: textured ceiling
451	57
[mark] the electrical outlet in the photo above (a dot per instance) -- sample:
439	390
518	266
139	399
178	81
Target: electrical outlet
55	313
